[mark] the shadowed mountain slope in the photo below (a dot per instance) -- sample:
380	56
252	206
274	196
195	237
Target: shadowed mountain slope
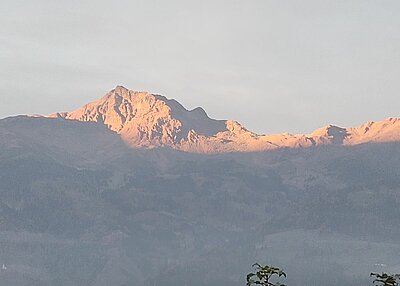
80	207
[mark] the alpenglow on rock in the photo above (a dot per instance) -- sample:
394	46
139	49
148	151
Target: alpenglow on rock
145	120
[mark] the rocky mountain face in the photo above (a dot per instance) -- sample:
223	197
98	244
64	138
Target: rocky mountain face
80	207
146	120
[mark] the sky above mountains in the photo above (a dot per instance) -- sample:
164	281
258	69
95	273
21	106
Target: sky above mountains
272	65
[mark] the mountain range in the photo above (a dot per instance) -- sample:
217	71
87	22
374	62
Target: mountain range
145	120
135	190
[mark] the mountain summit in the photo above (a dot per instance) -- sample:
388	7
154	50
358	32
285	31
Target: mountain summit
79	206
147	120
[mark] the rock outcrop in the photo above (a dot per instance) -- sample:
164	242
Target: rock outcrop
145	120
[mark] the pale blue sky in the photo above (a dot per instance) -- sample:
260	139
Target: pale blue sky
272	65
